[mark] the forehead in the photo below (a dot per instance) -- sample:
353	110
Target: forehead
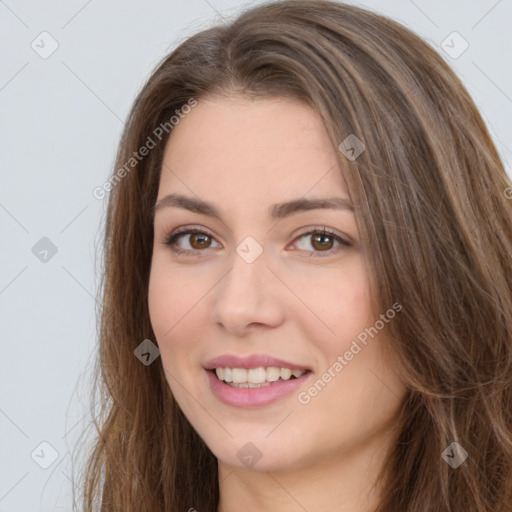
254	150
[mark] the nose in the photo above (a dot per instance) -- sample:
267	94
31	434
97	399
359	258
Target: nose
249	297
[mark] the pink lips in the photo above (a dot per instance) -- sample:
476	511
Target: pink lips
252	397
254	361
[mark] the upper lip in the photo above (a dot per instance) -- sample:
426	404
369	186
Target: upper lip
253	361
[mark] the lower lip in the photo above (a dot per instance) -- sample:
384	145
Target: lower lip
250	397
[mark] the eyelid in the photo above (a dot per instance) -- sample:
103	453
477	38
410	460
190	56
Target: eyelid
192	228
343	240
321	229
174	236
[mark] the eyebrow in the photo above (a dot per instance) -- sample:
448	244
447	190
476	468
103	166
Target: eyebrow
276	211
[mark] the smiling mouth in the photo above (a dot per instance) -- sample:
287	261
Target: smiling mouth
256	377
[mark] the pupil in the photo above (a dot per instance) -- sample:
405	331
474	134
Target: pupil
323	244
201	239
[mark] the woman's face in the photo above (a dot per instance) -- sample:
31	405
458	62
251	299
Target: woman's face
260	280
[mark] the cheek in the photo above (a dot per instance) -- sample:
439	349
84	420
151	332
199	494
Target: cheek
167	304
176	310
360	387
176	304
171	294
338	301
159	300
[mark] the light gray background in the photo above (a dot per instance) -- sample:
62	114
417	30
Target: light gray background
61	119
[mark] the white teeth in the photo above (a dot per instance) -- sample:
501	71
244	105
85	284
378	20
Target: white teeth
239	375
273	373
249	385
286	373
255	376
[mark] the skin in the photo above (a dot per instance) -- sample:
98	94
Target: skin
296	301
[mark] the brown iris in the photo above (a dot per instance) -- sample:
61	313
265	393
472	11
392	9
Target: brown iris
321	238
203	240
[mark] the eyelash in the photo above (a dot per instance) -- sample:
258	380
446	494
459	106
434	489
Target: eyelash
318	230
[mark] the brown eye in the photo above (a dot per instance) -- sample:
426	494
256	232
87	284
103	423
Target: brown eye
200	240
196	239
322	242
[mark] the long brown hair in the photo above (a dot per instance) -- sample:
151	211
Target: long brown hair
436	231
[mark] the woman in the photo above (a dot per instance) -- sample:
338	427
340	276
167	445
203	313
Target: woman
307	301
